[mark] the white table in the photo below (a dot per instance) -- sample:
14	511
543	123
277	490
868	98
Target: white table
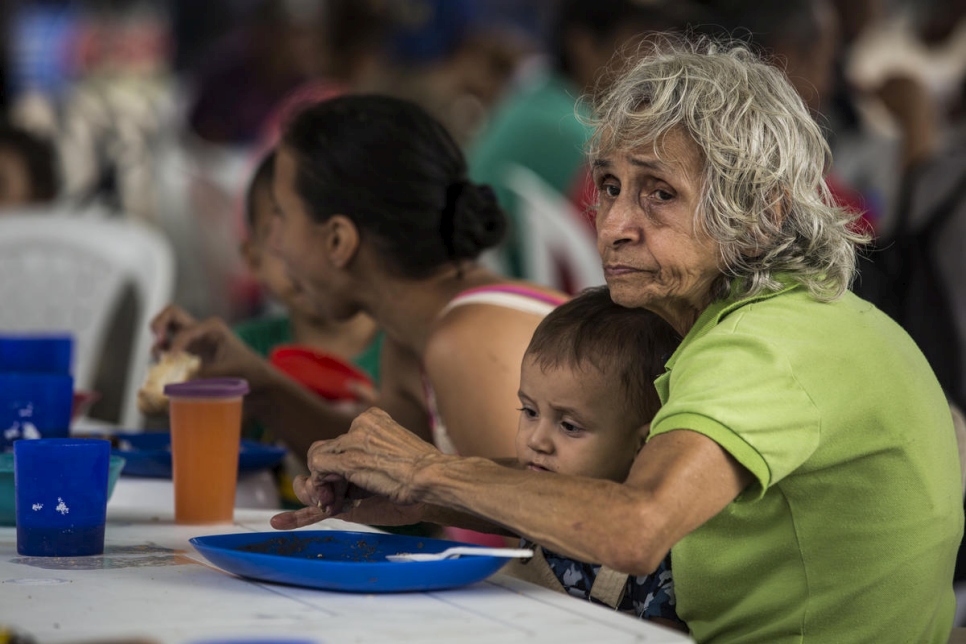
151	584
253	491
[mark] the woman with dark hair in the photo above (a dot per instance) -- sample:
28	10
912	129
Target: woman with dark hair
375	214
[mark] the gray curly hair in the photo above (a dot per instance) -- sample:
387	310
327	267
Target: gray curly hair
764	198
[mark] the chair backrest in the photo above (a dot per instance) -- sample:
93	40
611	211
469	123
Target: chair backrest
552	234
60	272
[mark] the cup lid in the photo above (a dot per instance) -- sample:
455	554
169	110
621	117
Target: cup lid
208	388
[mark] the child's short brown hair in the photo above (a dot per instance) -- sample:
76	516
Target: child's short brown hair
632	344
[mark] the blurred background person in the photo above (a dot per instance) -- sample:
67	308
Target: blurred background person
278	48
452	58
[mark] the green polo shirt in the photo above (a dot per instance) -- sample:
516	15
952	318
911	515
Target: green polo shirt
850	530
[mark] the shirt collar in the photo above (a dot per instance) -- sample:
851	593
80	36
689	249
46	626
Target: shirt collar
719	309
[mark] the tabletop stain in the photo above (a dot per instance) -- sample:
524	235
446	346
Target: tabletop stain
114	557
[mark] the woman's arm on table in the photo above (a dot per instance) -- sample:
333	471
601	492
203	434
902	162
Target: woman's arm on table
679	480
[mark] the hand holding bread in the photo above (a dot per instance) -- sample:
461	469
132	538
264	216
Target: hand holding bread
172	367
208	348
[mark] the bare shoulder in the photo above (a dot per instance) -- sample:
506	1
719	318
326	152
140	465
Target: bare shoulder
478	330
472	360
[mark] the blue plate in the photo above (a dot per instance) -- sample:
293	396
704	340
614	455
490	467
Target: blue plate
149	454
344	561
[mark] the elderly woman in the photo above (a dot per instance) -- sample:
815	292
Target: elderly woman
802	470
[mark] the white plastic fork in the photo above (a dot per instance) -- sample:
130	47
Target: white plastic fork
458	551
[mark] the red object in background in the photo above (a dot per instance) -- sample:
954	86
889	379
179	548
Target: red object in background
83	401
852	200
323	373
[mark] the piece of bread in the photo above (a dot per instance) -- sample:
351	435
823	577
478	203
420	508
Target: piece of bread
170	368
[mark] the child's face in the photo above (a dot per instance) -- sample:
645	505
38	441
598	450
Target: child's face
576	422
268	268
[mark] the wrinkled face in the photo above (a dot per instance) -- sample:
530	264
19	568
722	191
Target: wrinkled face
300	243
575	422
654	255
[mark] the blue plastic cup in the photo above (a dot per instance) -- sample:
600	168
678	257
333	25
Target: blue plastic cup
34	405
37	353
61	489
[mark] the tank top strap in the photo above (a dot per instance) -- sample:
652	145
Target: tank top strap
511	296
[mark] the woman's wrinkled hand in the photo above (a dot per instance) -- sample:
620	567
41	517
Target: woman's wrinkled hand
324	501
377	455
368	475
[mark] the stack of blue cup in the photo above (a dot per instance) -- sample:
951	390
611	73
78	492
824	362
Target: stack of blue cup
36	387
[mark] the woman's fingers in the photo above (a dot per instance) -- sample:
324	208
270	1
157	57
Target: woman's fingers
370	510
298	518
326	492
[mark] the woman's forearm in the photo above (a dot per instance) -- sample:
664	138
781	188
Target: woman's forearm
459	519
587	519
441	515
679	481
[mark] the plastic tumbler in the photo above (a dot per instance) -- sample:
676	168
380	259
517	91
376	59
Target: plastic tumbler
34	405
205	438
61	491
36	353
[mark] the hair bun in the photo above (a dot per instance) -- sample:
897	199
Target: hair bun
472	219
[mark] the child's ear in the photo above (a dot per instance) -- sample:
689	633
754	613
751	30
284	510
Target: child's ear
342	240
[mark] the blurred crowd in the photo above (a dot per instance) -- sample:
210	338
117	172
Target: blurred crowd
157	110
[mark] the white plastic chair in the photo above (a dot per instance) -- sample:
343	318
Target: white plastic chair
62	272
552	233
